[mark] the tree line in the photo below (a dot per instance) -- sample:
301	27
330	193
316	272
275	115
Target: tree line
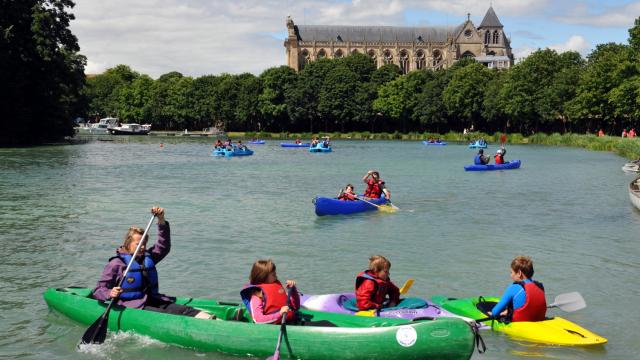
44	89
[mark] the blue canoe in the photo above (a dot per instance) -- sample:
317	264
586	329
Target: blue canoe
515	164
434	143
257	142
293	145
333	206
319	148
234	152
477	145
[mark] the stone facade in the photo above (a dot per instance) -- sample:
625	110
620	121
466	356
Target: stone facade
411	48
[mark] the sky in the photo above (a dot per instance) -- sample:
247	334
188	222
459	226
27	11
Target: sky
198	37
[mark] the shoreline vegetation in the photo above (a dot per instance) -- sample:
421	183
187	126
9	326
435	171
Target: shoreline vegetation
628	148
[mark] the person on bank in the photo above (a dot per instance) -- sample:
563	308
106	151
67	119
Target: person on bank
140	288
524	300
375	186
481	158
374	289
347	193
266	298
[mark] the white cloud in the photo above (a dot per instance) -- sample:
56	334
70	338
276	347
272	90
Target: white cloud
575	43
619	17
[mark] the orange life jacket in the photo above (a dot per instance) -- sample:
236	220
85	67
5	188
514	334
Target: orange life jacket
274	297
535	306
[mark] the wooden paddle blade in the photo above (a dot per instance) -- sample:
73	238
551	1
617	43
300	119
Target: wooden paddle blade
407	285
97	332
569	302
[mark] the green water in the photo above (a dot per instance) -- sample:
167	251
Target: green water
64	210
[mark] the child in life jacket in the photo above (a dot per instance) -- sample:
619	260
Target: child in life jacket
524	300
499	157
347	193
375	186
374	289
266	298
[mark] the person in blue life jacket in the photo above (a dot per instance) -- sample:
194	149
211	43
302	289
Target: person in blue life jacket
140	290
481	158
524	300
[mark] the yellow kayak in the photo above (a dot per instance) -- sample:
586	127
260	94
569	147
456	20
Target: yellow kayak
553	331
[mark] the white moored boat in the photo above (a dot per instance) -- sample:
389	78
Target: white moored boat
99	128
634	192
130	129
633	166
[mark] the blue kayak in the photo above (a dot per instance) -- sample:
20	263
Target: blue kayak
293	145
257	142
515	164
434	143
234	152
320	148
333	206
478	145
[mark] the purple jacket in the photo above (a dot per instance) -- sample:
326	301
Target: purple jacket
112	273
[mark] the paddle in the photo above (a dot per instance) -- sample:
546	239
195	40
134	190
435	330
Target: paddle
385	208
568	302
97	332
407	285
283	327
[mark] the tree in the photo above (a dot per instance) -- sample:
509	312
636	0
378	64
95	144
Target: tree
337	102
41	72
248	109
302	97
135	100
273	107
464	95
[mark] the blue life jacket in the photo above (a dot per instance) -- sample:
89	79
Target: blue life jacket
141	279
477	160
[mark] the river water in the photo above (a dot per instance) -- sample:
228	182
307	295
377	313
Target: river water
64	210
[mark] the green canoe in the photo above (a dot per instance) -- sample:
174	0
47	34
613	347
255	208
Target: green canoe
355	337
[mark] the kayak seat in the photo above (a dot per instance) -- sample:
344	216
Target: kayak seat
408	303
485	306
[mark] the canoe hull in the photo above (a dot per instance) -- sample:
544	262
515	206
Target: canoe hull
442	143
229	153
515	164
257	142
290	145
385	338
331	206
320	149
634	193
554	331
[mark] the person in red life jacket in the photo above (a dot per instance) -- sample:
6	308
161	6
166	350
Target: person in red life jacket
632	133
375	186
298	141
499	157
266	298
140	288
600	133
624	133
524	300
347	193
374	289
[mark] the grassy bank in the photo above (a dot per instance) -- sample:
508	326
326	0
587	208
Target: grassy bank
627	148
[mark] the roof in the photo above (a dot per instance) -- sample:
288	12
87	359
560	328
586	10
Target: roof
375	33
490	19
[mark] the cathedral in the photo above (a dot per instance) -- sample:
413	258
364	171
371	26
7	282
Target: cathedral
411	48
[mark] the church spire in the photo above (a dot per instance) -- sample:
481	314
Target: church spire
490	19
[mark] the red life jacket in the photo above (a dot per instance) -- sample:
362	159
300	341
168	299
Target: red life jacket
535	306
374	189
274	297
347	197
380	293
498	159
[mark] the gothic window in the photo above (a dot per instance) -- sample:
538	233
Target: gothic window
338	54
372	55
404	61
437	58
354	51
468	33
304	58
321	54
420	60
487	36
468	54
387	57
491	53
495	37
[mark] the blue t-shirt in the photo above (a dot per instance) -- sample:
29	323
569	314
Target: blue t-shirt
514	295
